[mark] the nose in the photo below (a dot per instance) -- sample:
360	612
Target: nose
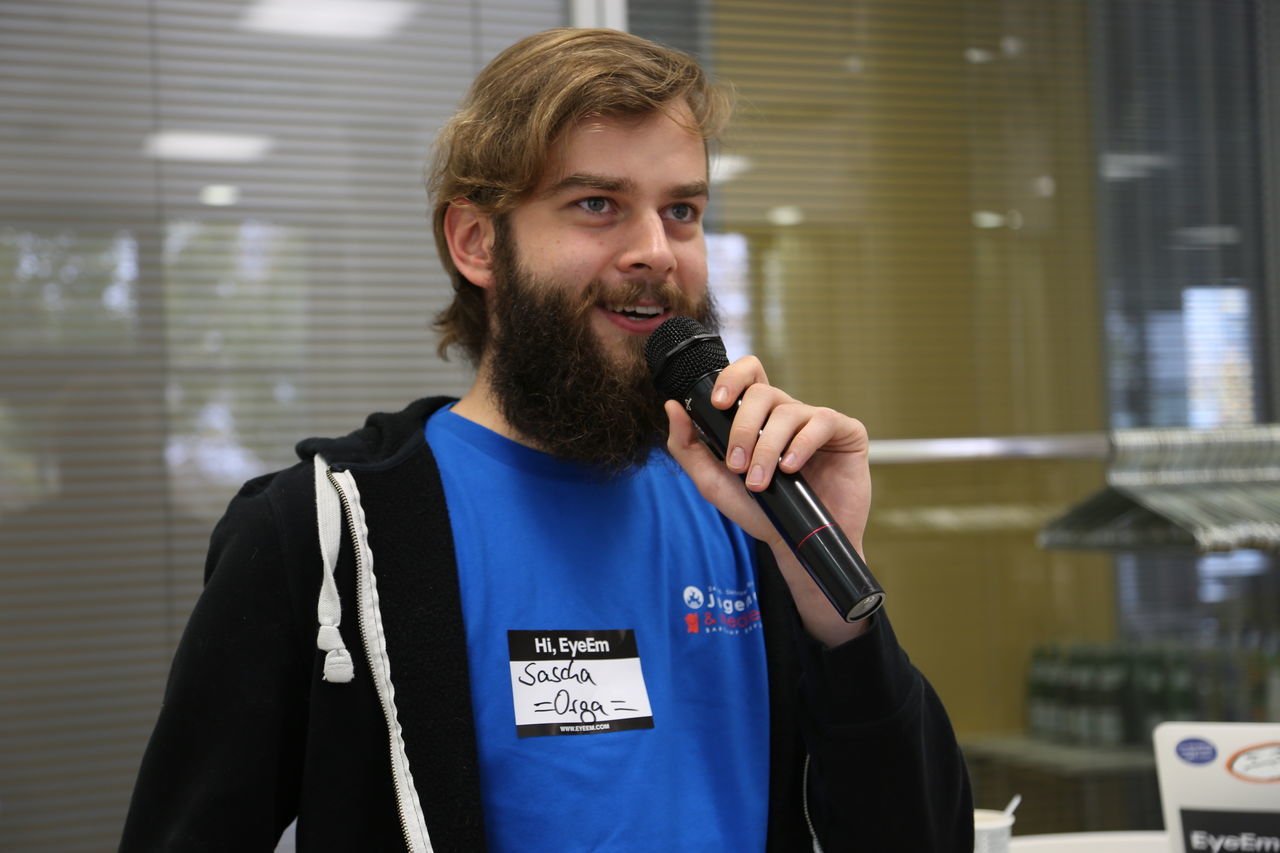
647	246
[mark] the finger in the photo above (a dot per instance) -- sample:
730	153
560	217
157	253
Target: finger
786	423
735	379
683	441
702	465
824	430
806	430
680	429
793	433
714	482
754	411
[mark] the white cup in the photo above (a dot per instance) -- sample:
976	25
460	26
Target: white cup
992	830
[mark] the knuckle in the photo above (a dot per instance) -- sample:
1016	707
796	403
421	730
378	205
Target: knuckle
741	434
767	452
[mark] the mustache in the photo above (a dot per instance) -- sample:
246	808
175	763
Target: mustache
660	291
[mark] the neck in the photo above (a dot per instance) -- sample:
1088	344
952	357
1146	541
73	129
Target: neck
480	406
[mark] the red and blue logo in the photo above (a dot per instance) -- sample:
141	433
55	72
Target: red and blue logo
713	610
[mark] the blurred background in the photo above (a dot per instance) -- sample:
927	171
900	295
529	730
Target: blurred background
1031	243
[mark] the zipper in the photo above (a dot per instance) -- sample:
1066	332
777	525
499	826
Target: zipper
397	785
804	801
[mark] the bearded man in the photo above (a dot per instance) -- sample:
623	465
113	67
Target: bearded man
544	616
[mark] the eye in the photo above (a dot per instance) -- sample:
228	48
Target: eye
682	212
596	204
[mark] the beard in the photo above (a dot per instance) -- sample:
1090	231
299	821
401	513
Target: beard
557	384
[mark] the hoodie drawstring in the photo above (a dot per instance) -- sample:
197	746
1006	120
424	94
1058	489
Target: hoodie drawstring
337	660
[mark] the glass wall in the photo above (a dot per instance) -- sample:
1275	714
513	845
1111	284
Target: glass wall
1025	224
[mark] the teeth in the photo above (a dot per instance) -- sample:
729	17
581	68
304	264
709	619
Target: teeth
644	310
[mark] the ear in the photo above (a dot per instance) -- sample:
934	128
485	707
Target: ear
470	236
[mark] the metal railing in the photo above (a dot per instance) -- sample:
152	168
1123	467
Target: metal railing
1063	446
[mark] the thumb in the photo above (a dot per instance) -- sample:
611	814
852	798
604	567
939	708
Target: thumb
685	445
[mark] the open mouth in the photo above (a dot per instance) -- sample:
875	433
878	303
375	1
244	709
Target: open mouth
637	312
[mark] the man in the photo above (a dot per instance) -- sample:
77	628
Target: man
514	621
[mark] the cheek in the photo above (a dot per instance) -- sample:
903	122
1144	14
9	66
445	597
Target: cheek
573	262
692	269
550	251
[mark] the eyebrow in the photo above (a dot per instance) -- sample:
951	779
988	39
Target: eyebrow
580	180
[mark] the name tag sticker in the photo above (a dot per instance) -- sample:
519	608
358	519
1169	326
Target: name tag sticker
577	682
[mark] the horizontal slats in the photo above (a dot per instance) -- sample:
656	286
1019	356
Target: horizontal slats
156	351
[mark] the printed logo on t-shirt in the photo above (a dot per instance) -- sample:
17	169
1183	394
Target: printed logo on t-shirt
714	610
577	682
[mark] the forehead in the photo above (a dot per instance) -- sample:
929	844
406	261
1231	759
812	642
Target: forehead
654	145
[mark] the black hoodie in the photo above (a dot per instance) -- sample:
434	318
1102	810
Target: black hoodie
252	735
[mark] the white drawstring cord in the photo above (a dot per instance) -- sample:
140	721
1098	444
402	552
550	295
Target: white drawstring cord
337	660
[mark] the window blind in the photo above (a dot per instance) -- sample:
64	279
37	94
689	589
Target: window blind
214	241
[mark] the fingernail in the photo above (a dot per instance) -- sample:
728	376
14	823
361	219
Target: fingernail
756	477
737	458
789	461
720	395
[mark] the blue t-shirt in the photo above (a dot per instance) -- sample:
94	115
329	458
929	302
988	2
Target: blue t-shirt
616	656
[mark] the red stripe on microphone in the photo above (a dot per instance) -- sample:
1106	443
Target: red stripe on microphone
811	532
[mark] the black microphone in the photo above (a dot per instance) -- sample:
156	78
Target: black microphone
685	360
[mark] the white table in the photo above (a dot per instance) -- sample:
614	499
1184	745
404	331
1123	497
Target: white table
1092	842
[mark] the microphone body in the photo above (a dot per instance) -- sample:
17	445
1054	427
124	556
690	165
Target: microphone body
789	501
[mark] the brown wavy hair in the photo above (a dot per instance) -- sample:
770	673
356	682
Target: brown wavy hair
493	151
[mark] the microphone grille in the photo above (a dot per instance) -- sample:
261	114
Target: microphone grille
680	352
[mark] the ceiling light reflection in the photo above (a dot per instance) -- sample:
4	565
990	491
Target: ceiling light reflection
351	19
220	195
785	215
214	147
987	219
726	167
